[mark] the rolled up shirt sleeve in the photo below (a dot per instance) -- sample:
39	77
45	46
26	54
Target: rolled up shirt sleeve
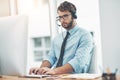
82	55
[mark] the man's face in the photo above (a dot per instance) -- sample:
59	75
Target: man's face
65	19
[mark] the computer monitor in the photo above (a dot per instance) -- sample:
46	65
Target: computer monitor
13	45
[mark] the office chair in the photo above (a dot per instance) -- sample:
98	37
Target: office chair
93	62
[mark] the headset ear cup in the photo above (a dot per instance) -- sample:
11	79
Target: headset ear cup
74	16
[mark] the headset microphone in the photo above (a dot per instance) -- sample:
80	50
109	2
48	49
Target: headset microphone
58	25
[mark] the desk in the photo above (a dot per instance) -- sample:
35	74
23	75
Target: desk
22	78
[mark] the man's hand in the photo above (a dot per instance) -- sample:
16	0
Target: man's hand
67	68
45	67
51	72
38	70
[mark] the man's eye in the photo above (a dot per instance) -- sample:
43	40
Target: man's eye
65	15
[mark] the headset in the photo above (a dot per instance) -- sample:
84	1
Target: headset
73	12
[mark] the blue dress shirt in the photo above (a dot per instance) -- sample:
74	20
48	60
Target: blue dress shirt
77	51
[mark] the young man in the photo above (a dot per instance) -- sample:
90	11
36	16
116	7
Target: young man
71	54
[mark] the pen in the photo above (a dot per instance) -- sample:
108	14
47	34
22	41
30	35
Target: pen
116	70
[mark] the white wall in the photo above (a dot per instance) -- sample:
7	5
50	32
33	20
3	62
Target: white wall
110	33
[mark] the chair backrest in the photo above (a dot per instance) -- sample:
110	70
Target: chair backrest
93	62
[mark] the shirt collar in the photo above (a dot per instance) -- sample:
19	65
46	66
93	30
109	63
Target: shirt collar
73	30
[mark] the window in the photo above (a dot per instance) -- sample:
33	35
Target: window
41	47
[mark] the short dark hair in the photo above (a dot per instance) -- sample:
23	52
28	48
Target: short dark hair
67	6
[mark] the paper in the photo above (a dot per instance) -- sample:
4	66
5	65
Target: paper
83	76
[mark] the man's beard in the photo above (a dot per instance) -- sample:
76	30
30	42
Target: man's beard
69	25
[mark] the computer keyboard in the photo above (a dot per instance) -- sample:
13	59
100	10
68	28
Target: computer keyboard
36	76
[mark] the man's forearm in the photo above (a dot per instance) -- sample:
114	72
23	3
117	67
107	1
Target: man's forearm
45	63
67	68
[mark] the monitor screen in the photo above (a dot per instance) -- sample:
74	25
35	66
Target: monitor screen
13	45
